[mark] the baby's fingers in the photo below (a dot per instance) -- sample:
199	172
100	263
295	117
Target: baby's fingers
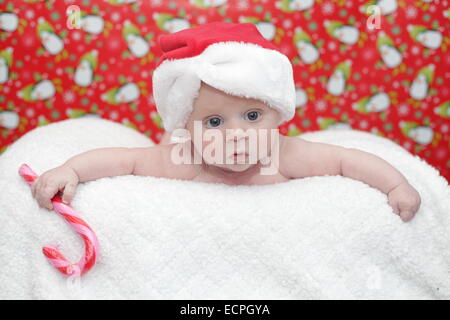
35	187
409	207
47	194
394	205
69	191
407	210
406	215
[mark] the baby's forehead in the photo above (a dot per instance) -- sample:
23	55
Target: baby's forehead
206	90
233	105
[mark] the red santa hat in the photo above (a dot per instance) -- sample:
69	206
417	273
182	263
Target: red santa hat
232	57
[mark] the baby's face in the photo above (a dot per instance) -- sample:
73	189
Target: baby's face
234	118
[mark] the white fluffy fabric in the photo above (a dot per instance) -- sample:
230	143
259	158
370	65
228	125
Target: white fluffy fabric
325	237
244	70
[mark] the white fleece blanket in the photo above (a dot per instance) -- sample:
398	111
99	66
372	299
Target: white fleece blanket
314	238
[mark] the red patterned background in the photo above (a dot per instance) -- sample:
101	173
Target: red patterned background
63	59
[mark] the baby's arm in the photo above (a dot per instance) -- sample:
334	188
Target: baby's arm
103	162
86	166
107	162
305	158
147	161
373	170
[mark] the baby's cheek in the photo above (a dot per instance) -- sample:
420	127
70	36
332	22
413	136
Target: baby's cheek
198	147
217	149
261	146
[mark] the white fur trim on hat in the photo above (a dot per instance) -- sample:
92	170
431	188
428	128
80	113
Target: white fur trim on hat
236	68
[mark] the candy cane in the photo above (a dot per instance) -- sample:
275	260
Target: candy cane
81	227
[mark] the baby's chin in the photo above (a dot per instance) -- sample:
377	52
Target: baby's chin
236	167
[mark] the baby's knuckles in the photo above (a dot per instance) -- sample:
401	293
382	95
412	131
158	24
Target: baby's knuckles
409	202
47	185
411	197
49	190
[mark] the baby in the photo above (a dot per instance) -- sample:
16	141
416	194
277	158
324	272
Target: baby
222	90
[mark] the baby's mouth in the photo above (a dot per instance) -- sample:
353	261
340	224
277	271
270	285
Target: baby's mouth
237	155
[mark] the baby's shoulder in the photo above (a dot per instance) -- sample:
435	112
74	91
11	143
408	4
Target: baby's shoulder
179	163
293	156
289	144
161	161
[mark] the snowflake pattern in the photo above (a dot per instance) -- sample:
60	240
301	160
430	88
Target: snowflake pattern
403	110
29	14
415	50
321	105
242	5
156	3
327	8
287	24
411	12
364	124
115	16
69	96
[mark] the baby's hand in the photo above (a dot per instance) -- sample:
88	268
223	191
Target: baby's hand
50	182
405	201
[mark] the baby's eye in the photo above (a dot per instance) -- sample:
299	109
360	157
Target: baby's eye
252	115
214	122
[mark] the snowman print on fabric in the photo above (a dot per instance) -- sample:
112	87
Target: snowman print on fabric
77	113
305	48
204	4
176	24
294	5
42	90
266	28
386	6
126	93
137	45
84	73
421	83
301	98
92	24
443	110
376	103
390	55
431	39
446	13
52	43
9	119
420	134
346	34
338	80
5	64
120	2
326	123
169	23
8	21
352	75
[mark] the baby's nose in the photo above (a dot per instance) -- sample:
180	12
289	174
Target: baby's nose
235	134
